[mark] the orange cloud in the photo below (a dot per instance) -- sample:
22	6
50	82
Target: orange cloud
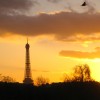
97	48
65	26
80	54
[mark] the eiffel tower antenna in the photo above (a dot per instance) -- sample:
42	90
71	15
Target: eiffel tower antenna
27	39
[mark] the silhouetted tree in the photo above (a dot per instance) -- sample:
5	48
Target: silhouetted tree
82	73
67	78
41	81
7	79
1	77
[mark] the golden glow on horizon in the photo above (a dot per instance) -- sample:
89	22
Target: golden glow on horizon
45	58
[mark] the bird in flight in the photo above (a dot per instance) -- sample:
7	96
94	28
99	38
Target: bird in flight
84	3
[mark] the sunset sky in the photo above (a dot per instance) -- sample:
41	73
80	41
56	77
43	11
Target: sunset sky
61	33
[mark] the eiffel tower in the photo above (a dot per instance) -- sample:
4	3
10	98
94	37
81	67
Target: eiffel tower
28	76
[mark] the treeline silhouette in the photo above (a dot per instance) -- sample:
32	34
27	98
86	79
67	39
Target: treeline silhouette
80	86
54	91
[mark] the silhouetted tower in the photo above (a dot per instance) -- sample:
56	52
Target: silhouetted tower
27	77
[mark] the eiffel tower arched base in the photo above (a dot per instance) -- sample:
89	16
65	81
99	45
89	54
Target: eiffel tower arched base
28	81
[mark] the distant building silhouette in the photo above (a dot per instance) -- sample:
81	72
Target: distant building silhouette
28	76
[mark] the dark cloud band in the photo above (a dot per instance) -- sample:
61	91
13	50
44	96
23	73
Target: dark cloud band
54	1
15	5
65	26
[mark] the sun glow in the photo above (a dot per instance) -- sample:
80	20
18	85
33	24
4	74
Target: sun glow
94	65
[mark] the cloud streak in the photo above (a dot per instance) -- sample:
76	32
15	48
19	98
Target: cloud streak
80	54
44	71
65	26
9	6
54	1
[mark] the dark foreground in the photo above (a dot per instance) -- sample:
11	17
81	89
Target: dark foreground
56	91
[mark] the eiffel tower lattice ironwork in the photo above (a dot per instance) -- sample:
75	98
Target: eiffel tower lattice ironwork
28	76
